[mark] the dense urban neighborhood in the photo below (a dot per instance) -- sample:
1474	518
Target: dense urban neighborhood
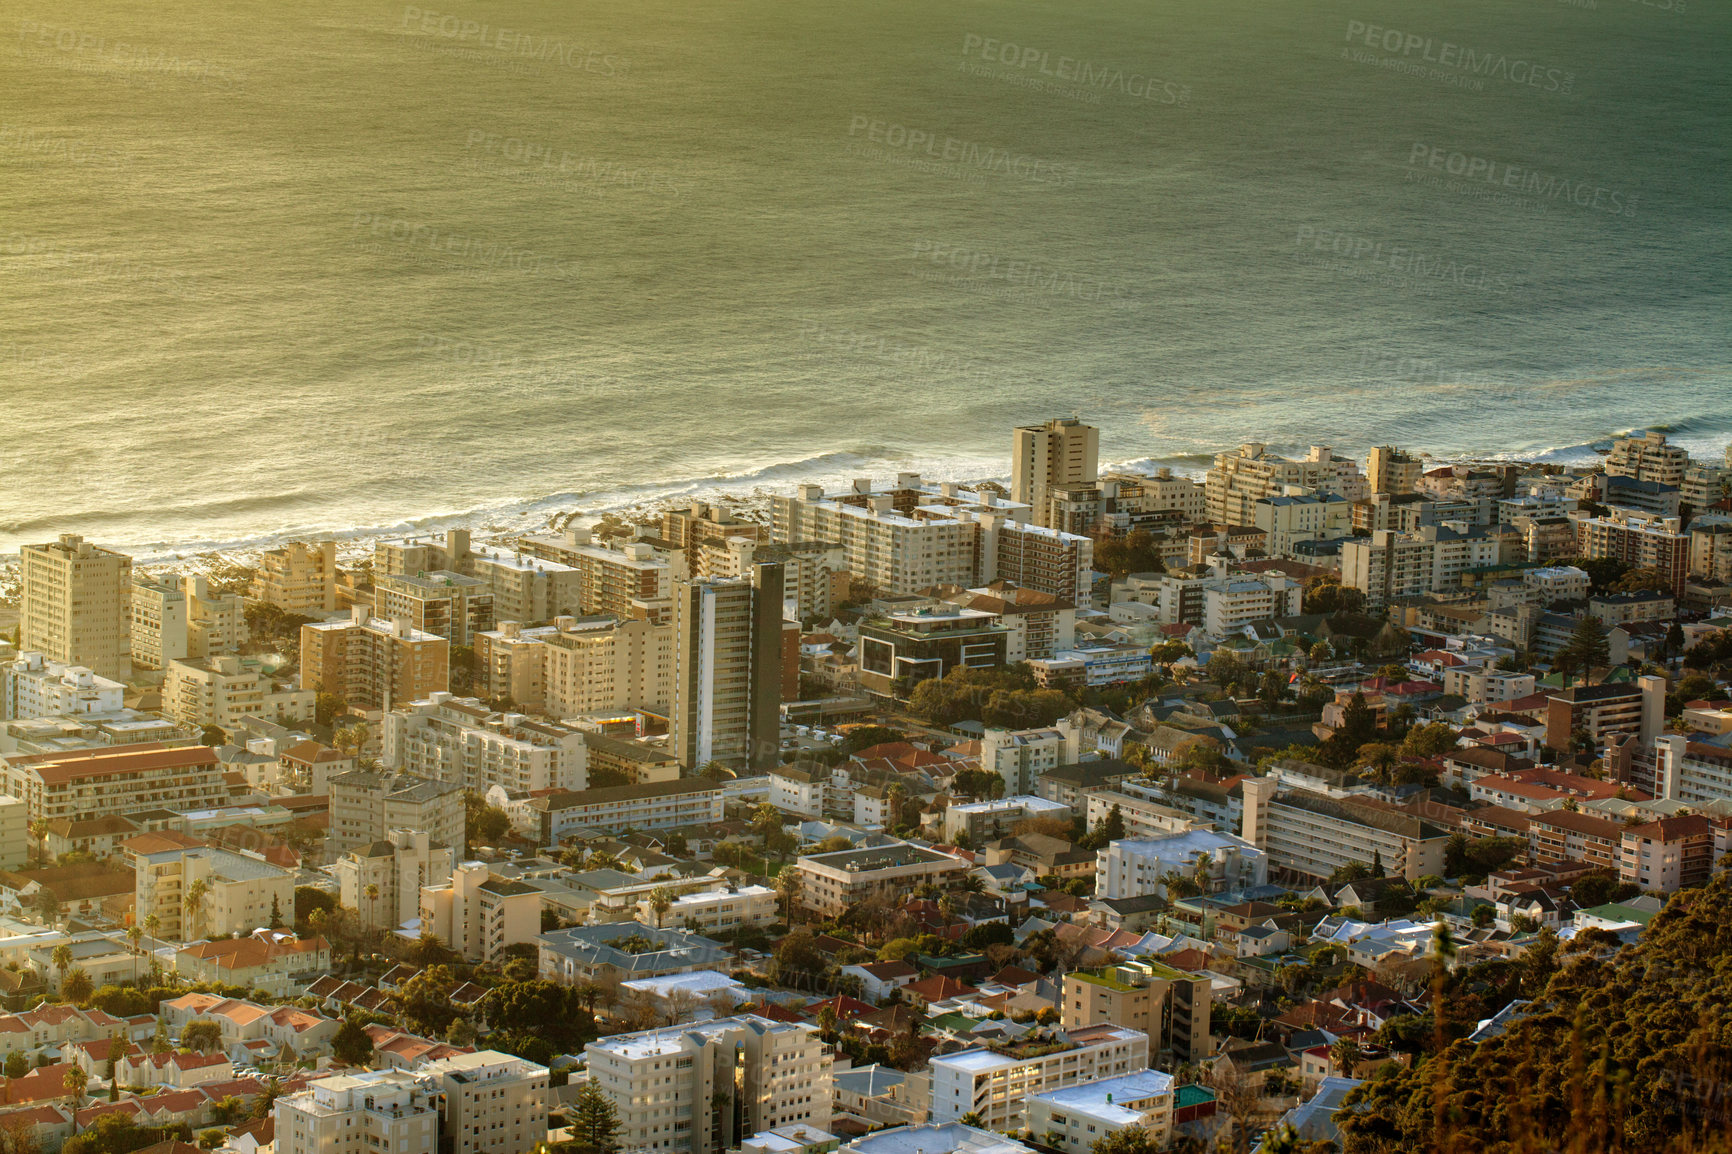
1305	804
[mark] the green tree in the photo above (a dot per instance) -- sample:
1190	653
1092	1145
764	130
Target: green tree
1587	648
213	735
594	1120
661	900
17	1065
76	986
327	707
351	1045
1126	1140
202	1036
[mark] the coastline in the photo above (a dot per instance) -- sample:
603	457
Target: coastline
747	493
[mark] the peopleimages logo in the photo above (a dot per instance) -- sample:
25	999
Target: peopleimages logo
935	150
1402	47
1091	77
1527	181
508	42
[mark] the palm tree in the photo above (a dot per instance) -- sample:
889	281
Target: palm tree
194	898
372	892
152	923
788	889
133	936
62	959
39	830
661	900
75	1079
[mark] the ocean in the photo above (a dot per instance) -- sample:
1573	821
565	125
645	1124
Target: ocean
274	270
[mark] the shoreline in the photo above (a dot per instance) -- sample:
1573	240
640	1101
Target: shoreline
495	526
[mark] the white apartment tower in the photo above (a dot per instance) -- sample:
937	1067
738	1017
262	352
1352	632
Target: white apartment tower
76	605
1063	451
707	1086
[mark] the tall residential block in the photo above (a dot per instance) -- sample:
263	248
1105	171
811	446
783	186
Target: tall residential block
607	665
298	578
447	604
709	1085
1170	1006
366	805
1389	470
373	663
457	739
1063	451
360	1113
727	684
1243	476
1640	540
175	617
76	605
479	915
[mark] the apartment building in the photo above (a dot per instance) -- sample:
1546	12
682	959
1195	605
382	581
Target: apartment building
1033	556
489	1103
383	881
1672	853
373	663
1063	451
459	740
1599	711
478	915
1125	502
1389	470
996	1083
627	582
1487	684
831	883
888	547
718	908
1075	1118
1022	756
900	650
1231	603
1647	458
15	833
1142	807
613	951
711	539
1301	516
510	663
445	603
75	605
1711	549
1315	834
1169	1005
298	578
204	892
526	588
34	686
982	821
361	1113
603	665
366	805
174	617
1690	771
1388	565
94	783
1242	477
1133	867
226	690
727	670
1640	540
1703	485
1036	624
639	762
710	1085
687	801
1562	835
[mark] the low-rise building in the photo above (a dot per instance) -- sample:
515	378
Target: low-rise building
996	1083
1074	1118
616	808
33	686
982	820
274	961
226	690
625	950
374	1110
90	783
831	883
1133	867
383	881
1672	853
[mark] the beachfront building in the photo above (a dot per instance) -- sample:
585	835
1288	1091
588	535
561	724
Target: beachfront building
298	579
75	605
